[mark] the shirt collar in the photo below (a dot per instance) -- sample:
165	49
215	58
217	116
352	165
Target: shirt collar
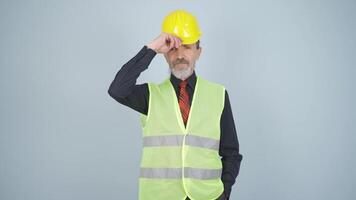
191	80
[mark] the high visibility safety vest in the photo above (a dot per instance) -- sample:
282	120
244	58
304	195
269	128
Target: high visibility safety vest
179	161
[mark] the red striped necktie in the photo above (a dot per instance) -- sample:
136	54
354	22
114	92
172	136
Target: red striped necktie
184	101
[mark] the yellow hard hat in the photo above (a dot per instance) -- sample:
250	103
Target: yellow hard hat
182	24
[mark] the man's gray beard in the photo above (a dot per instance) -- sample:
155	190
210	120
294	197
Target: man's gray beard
183	73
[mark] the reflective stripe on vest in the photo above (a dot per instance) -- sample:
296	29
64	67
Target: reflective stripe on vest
176	140
176	173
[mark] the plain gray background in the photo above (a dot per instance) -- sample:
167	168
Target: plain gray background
289	67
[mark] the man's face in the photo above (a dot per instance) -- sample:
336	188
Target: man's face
182	60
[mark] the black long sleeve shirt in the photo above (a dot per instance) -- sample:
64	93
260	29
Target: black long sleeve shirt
136	96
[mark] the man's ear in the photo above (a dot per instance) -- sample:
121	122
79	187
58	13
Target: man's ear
199	52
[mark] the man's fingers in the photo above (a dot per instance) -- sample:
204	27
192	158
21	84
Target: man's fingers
173	42
177	42
168	41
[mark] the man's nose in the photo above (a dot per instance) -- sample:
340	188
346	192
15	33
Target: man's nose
180	52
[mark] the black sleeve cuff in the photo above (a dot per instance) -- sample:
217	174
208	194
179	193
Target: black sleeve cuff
149	51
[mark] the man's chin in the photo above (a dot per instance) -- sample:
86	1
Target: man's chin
182	73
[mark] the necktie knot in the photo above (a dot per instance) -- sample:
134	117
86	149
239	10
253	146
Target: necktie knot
183	84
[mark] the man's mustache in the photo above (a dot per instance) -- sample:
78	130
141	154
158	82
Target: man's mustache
180	61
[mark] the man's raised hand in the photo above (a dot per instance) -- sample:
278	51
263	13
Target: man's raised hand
164	42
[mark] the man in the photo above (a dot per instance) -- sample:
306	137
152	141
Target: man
190	145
